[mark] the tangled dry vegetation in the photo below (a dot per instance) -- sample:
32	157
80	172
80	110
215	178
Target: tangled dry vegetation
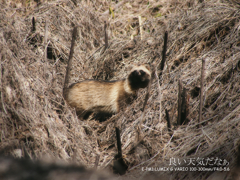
37	122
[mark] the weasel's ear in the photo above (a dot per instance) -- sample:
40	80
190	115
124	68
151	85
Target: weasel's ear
147	66
131	66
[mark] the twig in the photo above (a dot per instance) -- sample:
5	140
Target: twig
97	161
33	25
203	121
74	2
206	135
159	94
179	102
198	148
66	82
163	53
148	92
238	156
150	128
119	145
168	120
146	97
201	91
45	39
140	26
183	106
106	35
91	56
2	101
119	165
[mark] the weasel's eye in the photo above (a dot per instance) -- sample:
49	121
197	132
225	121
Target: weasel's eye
142	72
135	72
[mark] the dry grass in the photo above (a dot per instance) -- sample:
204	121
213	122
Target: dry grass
35	117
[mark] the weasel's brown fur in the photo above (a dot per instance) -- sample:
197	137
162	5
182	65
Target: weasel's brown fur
107	96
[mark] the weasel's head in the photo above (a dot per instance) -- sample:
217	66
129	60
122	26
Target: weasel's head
139	76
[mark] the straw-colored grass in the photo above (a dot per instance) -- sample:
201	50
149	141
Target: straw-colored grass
36	119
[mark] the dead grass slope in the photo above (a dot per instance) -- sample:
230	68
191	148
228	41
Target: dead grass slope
35	118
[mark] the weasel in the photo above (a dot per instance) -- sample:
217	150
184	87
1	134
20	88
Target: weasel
96	96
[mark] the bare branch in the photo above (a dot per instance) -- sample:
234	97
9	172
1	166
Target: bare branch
66	82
